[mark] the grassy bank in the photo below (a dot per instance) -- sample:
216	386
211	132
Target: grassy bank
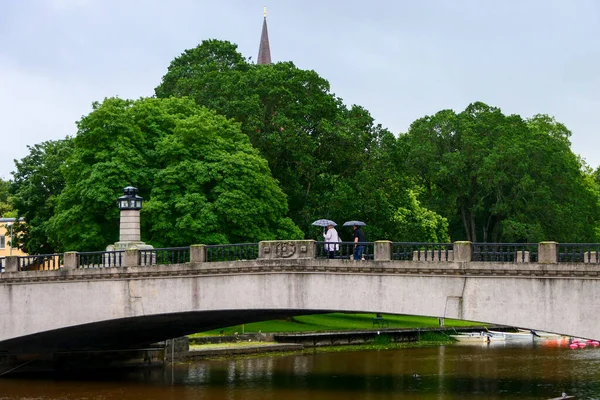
334	322
382	342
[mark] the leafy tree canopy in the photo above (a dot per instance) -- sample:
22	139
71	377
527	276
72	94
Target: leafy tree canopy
36	185
6	209
502	178
329	159
277	137
202	179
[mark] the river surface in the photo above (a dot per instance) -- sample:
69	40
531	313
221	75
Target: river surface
445	372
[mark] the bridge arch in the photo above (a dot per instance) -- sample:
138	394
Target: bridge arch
83	309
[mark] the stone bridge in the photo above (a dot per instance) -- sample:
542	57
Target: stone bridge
131	299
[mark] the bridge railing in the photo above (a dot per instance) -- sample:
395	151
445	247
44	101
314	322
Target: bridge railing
167	255
231	252
505	252
345	250
101	259
544	252
579	253
422	251
40	262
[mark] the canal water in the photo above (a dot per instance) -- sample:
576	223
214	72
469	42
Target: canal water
474	371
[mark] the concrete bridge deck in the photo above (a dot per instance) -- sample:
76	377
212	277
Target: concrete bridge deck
101	308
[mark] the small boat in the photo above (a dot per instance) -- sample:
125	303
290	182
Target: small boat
472	337
512	335
542	334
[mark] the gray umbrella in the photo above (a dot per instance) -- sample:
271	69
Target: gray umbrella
324	222
352	223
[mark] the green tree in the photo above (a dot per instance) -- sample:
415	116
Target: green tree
37	182
150	143
208	65
6	209
419	224
214	188
498	177
329	159
283	110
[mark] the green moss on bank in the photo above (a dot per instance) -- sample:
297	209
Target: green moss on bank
334	322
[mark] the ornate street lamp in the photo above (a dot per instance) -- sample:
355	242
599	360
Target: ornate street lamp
130	205
130	200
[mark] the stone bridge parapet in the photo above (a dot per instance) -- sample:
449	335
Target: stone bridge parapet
146	295
547	253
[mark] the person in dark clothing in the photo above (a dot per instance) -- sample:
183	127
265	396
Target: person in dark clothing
359	237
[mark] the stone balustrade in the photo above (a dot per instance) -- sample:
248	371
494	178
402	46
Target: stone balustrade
379	251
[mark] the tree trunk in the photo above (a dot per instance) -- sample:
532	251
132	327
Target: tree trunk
487	232
463	216
473	228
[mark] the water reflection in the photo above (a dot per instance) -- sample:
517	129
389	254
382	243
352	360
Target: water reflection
448	372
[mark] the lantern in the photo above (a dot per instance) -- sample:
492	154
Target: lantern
130	200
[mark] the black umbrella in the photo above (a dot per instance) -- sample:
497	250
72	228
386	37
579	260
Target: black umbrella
353	223
324	222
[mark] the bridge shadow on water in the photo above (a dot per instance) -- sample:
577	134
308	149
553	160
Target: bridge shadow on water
138	331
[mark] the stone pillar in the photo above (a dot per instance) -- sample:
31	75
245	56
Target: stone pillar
71	260
383	250
197	253
287	249
462	251
547	253
129	227
176	347
591	257
132	258
522	258
11	264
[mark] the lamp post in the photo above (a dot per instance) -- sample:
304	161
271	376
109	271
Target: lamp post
130	241
130	200
130	205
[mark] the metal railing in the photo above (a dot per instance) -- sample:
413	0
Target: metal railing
40	262
504	252
167	255
231	252
406	251
579	252
101	259
422	251
345	250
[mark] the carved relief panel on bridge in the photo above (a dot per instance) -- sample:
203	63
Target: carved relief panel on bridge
289	249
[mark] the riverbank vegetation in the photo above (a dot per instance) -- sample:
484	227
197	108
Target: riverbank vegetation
229	151
335	322
264	349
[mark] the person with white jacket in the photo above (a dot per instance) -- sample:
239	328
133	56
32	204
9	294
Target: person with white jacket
331	241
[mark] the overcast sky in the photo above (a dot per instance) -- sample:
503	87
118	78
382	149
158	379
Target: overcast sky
401	60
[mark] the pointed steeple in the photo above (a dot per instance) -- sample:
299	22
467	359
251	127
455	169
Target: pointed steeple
264	51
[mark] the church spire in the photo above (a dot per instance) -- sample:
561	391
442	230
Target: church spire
264	51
